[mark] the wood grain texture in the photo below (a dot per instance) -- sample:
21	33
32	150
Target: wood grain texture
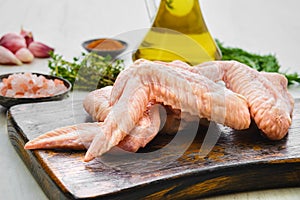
240	161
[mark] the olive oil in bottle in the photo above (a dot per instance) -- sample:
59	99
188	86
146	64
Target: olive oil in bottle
178	33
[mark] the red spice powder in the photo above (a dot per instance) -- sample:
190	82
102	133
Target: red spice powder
105	44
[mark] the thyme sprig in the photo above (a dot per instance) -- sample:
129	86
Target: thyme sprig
88	72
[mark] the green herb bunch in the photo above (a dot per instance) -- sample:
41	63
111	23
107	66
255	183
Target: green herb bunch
89	72
267	63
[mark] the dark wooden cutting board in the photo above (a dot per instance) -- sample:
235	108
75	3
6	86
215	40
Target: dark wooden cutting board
240	161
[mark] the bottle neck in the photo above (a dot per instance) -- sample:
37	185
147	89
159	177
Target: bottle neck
180	15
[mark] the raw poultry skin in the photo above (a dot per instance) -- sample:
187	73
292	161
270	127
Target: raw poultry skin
271	105
153	83
178	88
146	81
80	136
97	105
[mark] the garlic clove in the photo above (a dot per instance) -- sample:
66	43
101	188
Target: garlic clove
40	50
7	57
12	42
27	36
24	55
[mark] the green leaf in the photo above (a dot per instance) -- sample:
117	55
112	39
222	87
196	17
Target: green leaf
267	63
89	72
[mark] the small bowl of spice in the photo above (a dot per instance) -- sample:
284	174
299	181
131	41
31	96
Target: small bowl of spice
105	46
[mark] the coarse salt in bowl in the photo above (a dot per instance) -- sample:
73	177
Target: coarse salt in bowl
27	87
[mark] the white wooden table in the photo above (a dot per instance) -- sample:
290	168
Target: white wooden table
269	26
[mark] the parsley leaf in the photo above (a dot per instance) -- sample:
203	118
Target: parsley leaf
267	63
